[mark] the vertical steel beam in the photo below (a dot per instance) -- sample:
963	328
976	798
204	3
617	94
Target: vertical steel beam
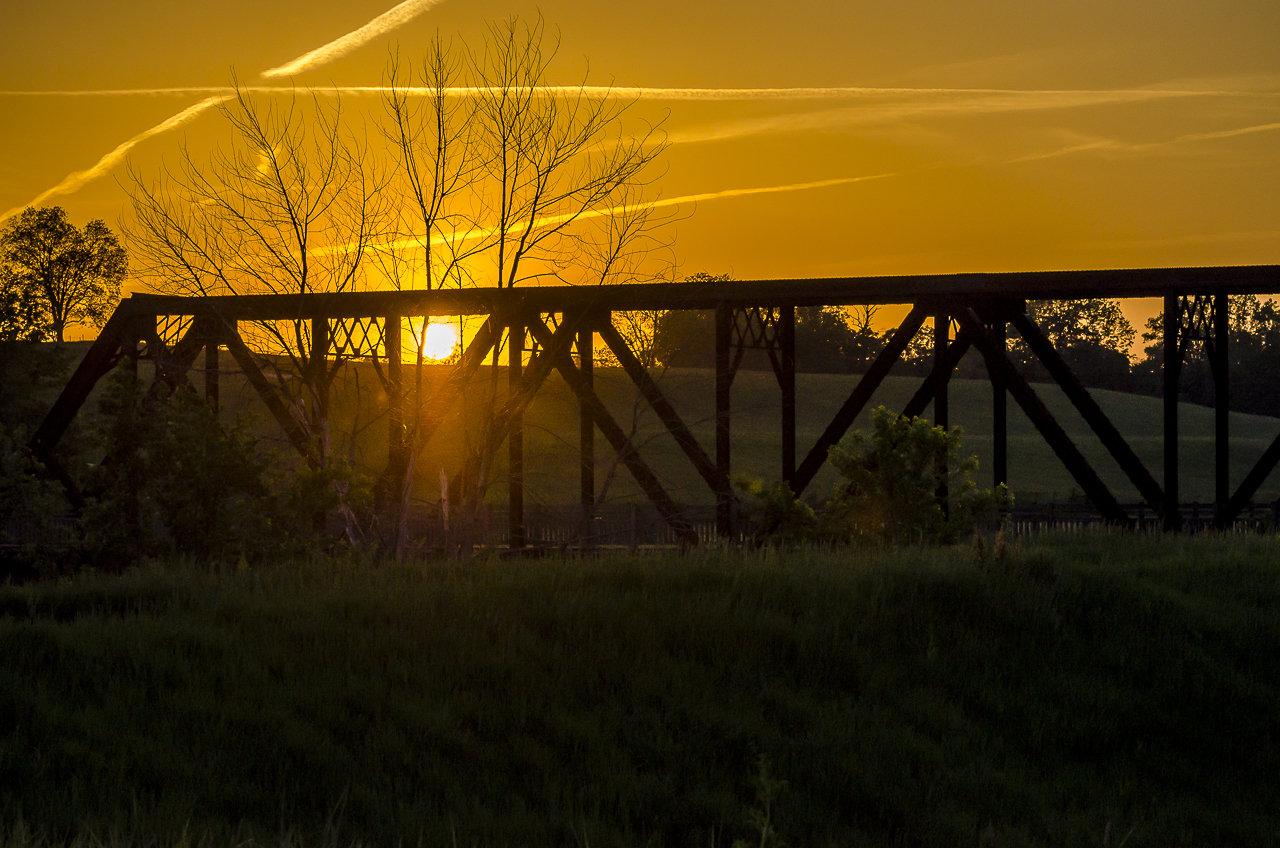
787	382
724	382
586	429
141	328
1220	365
999	413
941	417
941	338
557	355
515	437
211	372
397	449
320	364
928	387
1172	371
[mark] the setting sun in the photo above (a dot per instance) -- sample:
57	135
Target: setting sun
439	341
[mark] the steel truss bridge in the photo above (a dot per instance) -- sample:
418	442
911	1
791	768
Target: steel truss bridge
967	310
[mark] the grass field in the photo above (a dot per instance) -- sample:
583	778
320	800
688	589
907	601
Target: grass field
1087	690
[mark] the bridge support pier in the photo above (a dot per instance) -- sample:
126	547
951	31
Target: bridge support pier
515	438
586	433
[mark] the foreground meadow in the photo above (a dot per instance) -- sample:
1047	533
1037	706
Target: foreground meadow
1091	690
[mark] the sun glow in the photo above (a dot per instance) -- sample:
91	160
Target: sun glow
439	341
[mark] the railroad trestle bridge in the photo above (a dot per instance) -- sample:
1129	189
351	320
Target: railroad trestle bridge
968	311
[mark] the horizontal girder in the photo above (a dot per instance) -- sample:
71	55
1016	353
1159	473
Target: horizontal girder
836	291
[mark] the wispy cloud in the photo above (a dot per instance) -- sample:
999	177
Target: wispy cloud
414	243
1116	146
1229	133
76	179
1243	236
339	47
933	103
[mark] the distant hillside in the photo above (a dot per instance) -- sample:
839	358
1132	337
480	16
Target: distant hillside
551	433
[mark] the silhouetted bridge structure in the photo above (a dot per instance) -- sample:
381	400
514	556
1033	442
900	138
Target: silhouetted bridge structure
968	311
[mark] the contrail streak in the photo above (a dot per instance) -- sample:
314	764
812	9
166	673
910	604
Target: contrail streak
551	220
384	23
742	192
76	179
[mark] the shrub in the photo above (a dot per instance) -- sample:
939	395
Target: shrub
176	480
896	475
29	506
774	514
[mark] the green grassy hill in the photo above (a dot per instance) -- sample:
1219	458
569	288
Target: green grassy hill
551	432
1035	472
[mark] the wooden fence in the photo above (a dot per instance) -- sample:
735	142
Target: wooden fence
635	526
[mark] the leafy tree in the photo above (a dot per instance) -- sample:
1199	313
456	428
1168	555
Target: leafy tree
1091	334
829	339
1091	321
834	340
20	314
1253	343
176	480
29	504
53	273
894	474
685	338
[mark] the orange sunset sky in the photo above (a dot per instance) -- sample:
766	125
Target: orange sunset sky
1001	135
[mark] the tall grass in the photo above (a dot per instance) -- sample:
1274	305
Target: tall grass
1081	686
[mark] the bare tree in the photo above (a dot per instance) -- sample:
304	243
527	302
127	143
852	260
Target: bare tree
489	176
293	205
510	180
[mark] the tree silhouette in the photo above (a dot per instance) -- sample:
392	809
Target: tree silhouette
1091	334
54	274
20	313
482	174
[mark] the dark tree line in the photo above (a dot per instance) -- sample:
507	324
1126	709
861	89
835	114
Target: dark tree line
1092	335
829	339
1253	354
